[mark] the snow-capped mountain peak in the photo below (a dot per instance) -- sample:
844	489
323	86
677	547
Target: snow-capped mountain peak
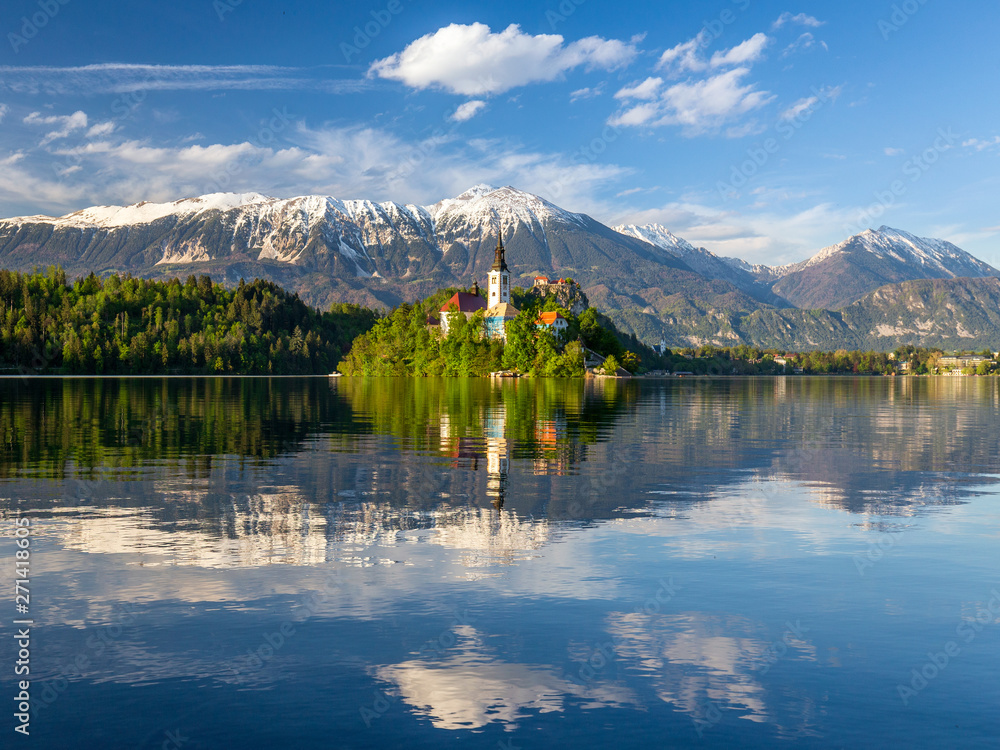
505	207
939	258
659	236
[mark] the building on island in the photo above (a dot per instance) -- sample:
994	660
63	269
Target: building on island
467	304
552	321
499	310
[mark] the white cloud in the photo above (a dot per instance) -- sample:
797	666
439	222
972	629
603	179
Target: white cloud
688	58
4	109
346	162
769	237
805	42
118	78
698	106
648	89
468	110
587	93
747	52
799	108
713	97
67	124
980	145
801	19
889	151
474	61
101	129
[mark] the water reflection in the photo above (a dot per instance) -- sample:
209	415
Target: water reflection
355	516
243	472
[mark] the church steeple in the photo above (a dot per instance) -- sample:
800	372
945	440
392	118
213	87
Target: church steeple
499	276
499	264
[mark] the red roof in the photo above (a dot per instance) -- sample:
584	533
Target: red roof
548	318
467	303
541	278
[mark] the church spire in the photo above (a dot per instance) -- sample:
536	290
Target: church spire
499	264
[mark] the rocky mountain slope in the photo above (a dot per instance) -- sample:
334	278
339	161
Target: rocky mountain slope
650	281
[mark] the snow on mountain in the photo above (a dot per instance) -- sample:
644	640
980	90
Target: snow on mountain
488	206
659	236
939	258
146	212
751	279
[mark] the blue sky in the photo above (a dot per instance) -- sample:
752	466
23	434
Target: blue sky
764	130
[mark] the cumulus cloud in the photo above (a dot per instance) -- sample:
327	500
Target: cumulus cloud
697	106
689	56
800	19
473	61
66	124
468	110
713	96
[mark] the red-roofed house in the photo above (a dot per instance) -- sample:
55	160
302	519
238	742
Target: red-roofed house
466	303
553	321
541	281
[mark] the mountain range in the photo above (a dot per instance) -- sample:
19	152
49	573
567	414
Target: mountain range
877	289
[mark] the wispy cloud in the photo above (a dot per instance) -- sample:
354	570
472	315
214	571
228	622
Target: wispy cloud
981	145
889	151
102	165
473	61
119	78
4	109
468	110
804	43
800	19
66	124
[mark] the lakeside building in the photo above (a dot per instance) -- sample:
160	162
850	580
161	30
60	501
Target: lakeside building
552	321
467	304
499	310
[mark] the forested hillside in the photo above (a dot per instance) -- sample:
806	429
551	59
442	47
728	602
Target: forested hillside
128	325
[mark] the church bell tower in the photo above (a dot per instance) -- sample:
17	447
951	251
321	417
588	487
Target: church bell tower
499	277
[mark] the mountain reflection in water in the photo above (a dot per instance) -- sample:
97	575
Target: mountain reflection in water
729	562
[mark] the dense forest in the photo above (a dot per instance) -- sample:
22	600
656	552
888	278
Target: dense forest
126	325
404	344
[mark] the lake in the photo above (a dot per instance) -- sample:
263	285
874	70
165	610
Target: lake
360	563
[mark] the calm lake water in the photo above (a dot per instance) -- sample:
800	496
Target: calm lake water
227	563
